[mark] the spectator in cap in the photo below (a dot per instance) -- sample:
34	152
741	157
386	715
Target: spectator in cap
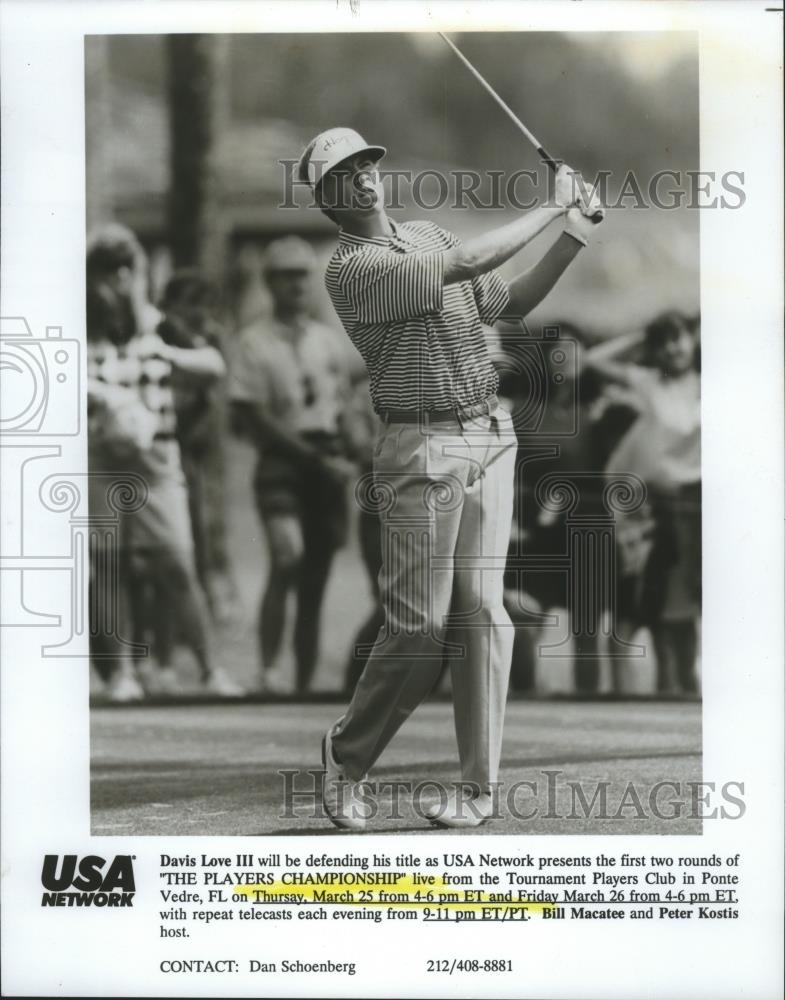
289	388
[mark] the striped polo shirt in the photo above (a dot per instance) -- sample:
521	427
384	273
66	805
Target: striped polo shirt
421	340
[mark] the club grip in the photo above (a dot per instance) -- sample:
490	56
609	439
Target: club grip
554	165
547	159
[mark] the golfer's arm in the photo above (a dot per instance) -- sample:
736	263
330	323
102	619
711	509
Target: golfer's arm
531	287
484	253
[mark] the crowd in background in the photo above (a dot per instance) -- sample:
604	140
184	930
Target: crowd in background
168	383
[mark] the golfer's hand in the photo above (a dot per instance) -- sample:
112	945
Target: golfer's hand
566	187
591	205
580	226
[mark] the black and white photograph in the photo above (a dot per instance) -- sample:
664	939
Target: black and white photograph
391	439
411	406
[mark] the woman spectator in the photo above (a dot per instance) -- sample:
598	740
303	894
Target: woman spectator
132	428
661	545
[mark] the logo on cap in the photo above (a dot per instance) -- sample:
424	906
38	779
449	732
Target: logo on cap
322	156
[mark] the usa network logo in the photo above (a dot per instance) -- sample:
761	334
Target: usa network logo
70	881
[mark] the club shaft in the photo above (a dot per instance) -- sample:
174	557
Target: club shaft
544	154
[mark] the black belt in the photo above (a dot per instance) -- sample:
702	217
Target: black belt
458	414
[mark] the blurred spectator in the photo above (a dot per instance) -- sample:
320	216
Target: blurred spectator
567	441
132	427
362	430
290	384
189	306
119	426
660	546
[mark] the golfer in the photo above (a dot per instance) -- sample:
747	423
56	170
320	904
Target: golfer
413	299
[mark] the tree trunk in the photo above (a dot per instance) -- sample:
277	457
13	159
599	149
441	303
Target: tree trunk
198	107
98	134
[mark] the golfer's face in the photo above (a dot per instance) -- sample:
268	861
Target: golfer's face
354	187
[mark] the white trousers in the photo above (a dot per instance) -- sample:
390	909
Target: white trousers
444	493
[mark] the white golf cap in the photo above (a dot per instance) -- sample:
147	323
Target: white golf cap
329	149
